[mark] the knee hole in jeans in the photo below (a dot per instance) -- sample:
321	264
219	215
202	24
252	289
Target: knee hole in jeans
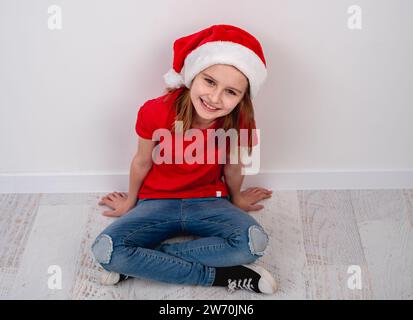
257	240
102	248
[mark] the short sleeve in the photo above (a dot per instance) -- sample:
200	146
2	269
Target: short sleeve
145	122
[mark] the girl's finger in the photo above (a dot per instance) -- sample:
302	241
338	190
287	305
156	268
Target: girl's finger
112	213
265	190
256	207
106	213
262	197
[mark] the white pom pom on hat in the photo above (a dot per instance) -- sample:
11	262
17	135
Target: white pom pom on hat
173	79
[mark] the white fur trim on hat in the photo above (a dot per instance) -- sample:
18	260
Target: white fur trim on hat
225	52
173	79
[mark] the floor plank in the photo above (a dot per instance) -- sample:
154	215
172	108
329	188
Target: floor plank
386	229
332	243
17	213
54	240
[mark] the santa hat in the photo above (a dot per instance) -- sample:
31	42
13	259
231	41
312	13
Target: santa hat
218	44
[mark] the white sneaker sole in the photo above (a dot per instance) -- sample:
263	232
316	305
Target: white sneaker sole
109	278
267	283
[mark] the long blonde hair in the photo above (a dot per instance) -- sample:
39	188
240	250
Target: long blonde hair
244	112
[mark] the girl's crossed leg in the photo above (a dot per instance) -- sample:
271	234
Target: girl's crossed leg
132	244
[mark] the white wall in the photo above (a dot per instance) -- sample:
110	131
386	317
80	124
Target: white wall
337	102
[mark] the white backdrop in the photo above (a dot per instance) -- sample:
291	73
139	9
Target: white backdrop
335	112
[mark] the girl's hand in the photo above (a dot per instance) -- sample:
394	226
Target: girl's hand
247	199
118	201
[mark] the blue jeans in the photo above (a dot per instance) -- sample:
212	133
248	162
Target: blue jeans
132	245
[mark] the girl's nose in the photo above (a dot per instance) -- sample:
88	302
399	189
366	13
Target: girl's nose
215	97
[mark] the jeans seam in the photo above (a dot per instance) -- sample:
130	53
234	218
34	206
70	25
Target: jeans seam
214	246
211	276
221	223
171	258
146	227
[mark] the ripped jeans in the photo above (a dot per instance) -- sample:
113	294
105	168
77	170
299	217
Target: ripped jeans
132	245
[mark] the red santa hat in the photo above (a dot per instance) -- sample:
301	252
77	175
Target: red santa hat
218	44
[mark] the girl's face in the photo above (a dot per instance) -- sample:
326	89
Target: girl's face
216	91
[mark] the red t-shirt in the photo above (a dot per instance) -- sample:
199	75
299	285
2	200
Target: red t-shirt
178	180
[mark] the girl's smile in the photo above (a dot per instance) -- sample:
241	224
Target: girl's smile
208	107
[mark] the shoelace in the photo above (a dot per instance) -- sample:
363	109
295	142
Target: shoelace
234	285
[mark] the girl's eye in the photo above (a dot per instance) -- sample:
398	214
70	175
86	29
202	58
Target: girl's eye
212	82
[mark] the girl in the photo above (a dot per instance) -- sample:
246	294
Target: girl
216	72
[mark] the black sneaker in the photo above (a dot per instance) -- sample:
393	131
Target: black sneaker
249	277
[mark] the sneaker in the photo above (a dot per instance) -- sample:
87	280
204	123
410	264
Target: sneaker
249	277
110	278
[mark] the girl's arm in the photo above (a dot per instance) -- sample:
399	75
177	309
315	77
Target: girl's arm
247	199
140	166
233	179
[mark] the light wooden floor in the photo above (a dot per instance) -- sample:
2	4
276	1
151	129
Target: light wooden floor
314	237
